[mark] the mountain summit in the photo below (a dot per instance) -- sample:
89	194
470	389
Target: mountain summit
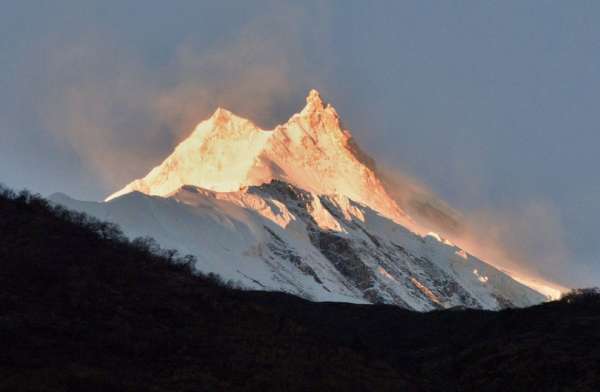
314	102
311	151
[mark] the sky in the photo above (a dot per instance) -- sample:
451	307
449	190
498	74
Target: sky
492	105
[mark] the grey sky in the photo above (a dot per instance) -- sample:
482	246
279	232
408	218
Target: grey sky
492	105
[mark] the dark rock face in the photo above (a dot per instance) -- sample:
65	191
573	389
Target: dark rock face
358	260
336	249
339	251
443	284
280	249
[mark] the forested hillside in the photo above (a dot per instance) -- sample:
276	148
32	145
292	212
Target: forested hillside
83	308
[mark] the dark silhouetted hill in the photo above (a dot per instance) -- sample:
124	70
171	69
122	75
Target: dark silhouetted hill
84	309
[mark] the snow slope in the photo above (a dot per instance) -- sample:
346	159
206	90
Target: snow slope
325	248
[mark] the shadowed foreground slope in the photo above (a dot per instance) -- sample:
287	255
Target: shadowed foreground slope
81	308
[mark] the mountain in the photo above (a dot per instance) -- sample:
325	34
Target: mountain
310	151
84	309
299	209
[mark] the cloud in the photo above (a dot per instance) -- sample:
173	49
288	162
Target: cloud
122	116
528	240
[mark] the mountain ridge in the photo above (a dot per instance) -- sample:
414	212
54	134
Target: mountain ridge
311	150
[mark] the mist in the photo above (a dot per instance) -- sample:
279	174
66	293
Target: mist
528	241
122	116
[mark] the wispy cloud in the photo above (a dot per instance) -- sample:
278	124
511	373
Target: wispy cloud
121	115
527	239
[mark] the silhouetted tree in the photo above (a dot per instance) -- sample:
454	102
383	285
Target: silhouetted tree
583	295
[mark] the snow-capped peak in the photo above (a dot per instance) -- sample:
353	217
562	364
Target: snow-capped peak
221	115
311	150
314	102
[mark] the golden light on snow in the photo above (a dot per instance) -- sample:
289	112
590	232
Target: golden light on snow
383	272
500	258
550	290
480	277
434	235
425	290
462	254
311	150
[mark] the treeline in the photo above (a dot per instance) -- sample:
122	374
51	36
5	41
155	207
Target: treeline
146	247
82	308
589	295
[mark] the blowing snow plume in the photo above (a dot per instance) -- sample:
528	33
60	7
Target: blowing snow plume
119	126
118	113
527	242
